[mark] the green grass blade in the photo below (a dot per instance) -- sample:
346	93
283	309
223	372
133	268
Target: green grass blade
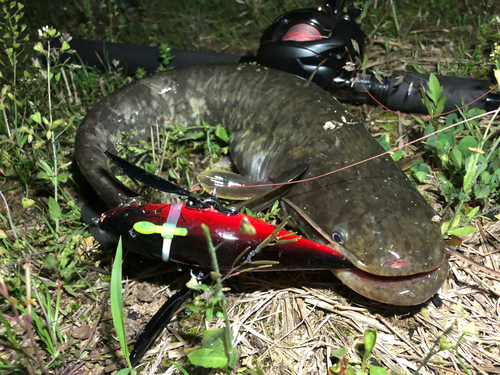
117	301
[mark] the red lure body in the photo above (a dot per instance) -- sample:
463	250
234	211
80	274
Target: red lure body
297	253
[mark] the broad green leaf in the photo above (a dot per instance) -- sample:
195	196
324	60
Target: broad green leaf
150	167
421	176
62	177
39	47
43	176
432	140
209	312
485	177
339	353
27	202
384	141
37	117
370	339
54	209
481	191
213	339
456	156
421	170
221	133
376	370
194	308
462	231
435	89
208	358
440	105
466	143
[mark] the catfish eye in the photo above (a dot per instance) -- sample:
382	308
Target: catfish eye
338	237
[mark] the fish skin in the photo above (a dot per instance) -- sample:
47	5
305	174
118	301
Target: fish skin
276	124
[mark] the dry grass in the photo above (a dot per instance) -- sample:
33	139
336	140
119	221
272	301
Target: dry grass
291	323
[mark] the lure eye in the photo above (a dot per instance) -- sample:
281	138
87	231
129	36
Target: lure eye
338	237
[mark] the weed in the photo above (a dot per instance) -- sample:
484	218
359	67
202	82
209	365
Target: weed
117	307
179	150
217	345
24	317
12	38
365	364
466	156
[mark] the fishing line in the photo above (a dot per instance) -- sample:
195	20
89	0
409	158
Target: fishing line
494	113
410	115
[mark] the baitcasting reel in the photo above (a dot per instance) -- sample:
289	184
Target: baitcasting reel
307	41
318	44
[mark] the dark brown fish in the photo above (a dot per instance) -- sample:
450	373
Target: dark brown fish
372	212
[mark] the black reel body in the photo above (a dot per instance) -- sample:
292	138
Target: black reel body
305	40
317	44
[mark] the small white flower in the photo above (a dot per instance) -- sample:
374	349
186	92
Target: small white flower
495	53
43	31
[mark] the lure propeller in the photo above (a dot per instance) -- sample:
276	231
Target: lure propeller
161	184
150	179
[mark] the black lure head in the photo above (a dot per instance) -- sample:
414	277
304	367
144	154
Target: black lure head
158	183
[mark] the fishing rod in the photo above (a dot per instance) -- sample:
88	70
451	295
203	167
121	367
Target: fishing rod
316	44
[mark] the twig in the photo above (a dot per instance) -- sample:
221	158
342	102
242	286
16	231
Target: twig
7	211
5	117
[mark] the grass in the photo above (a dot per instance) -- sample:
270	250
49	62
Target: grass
54	279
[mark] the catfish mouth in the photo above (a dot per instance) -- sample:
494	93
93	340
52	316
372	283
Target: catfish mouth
405	290
395	290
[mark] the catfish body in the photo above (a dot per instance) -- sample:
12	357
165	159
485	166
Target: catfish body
276	125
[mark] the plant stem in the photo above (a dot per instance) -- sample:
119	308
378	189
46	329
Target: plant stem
228	334
14	67
7	210
52	135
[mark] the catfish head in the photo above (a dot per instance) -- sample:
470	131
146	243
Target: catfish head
378	220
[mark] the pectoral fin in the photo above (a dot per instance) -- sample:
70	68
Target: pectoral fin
266	199
231	185
308	219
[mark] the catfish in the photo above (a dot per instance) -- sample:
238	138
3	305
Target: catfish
278	124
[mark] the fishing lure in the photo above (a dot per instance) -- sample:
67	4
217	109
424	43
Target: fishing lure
173	232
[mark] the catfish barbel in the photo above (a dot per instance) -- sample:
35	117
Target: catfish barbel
370	213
